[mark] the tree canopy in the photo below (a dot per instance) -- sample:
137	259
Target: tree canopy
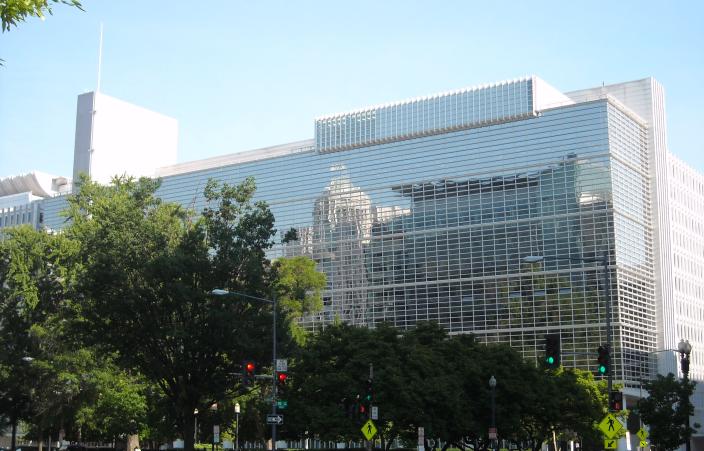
148	270
425	378
666	411
12	12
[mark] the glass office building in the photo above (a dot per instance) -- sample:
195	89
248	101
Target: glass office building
489	210
425	210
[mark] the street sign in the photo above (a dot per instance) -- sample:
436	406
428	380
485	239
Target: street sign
610	426
421	437
282	365
281	404
369	430
216	433
643	444
274	418
375	413
610	443
492	434
642	434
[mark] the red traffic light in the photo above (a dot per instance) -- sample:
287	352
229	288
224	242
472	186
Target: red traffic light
249	366
283	377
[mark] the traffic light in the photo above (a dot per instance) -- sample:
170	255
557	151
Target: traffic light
249	369
616	401
281	378
370	393
552	350
604	360
362	411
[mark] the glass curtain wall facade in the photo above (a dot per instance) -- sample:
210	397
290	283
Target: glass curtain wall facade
425	211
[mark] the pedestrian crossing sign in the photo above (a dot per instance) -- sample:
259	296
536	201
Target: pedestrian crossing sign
610	426
369	430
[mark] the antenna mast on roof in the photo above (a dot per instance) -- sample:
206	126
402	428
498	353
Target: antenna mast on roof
92	113
100	56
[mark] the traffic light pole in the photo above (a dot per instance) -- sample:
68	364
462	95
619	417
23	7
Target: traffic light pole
607	289
275	378
370	443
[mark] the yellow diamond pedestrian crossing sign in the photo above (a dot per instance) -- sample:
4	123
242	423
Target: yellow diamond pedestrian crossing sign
610	426
610	443
369	430
642	434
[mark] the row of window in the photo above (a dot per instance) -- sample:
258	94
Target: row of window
426	115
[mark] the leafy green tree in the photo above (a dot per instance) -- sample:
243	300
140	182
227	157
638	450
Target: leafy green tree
115	406
582	401
432	392
325	381
33	277
14	11
666	413
145	289
298	286
425	378
42	364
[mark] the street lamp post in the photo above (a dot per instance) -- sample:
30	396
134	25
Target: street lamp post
220	292
237	426
214	411
492	385
685	348
195	427
604	260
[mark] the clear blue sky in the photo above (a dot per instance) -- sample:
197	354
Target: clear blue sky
245	74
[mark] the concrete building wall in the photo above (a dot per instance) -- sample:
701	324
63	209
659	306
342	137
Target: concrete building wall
114	137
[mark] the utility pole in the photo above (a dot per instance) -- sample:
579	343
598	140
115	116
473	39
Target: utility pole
607	289
275	378
370	443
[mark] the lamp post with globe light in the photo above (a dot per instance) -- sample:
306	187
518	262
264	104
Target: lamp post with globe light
237	426
492	386
214	411
195	426
685	348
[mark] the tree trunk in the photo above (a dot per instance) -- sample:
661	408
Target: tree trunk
13	443
132	442
188	434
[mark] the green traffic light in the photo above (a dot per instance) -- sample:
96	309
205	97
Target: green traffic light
602	369
551	360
